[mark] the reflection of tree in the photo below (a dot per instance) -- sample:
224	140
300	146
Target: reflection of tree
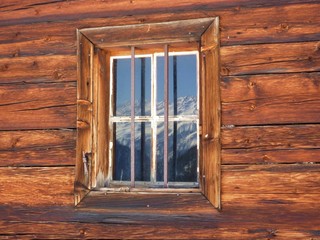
122	163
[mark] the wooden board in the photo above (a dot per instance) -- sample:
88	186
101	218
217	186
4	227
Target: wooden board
289	23
37	148
264	179
210	120
260	216
256	156
38	69
270	58
38	106
37	186
58	11
259	99
270	25
272	137
270	87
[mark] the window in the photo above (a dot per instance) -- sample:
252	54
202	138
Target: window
134	127
147	137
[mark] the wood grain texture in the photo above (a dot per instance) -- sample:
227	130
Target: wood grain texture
264	179
38	106
270	58
101	107
38	69
272	137
210	171
287	23
274	217
58	11
37	186
255	156
271	99
84	114
37	148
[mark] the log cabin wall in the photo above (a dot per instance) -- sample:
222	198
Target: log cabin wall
270	93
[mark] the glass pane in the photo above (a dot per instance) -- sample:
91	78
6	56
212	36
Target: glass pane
122	86
142	151
182	85
143	86
183	153
121	151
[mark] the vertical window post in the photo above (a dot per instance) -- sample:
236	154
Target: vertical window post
132	116
166	113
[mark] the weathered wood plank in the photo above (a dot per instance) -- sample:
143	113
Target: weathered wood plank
57	10
38	106
262	179
47	45
255	156
278	110
270	25
63	230
210	171
269	86
37	186
258	99
260	216
38	69
287	23
45	157
36	139
272	137
85	94
270	58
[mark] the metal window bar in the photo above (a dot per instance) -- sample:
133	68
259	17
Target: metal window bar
132	143
175	124
143	127
166	111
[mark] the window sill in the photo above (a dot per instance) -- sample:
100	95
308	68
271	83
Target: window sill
146	206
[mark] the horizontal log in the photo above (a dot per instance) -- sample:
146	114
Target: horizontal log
36	139
258	99
63	230
47	12
38	106
38	69
254	156
37	186
269	87
273	179
272	137
47	45
270	58
299	24
287	23
277	110
43	157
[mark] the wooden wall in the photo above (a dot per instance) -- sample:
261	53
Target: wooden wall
270	88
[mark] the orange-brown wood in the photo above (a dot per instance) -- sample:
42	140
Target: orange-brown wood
37	148
37	186
38	106
210	172
35	69
270	63
84	114
270	58
101	102
272	137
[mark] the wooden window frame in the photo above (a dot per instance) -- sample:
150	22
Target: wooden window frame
95	48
